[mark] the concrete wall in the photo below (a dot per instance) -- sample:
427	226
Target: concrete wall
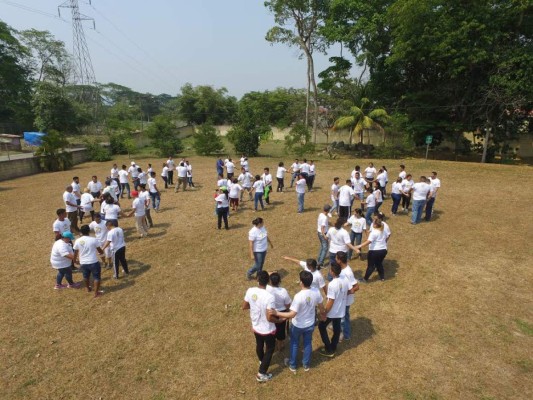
10	169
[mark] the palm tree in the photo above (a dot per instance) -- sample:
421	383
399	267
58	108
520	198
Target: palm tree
357	121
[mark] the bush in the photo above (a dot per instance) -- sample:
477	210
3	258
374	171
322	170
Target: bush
207	140
164	136
96	151
119	142
53	154
389	150
298	140
245	141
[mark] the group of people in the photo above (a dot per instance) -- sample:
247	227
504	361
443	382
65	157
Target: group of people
271	306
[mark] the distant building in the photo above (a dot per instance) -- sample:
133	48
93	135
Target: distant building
10	142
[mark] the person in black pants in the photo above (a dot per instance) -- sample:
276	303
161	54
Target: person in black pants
115	239
222	207
335	310
377	239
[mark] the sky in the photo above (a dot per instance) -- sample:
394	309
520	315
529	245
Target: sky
157	46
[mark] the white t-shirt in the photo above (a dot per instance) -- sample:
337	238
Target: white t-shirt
223	182
170	164
407	185
115	187
358	223
145	197
259	238
189	170
358	185
337	291
260	301
94	187
322	222
304	304
245	179
370	172
111	191
164	172
230	167
114	173
259	186
61	226
138	206
402	174
123	176
76	190
244	164
312	169
60	249
318	279
71	199
304	168
378	196
301	185
281	172
151	185
235	190
347	274
420	191
295	167
371	200
382	179
222	201
378	240
182	171
281	297
396	188
133	171
435	183
111	211
116	237
345	195
142	177
267	178
87	202
100	231
386	228
386	176
86	246
338	239
334	192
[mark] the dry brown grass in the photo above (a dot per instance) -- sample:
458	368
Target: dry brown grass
452	322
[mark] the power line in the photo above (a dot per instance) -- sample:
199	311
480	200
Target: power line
33	10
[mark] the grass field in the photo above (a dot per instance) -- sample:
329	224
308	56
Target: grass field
453	320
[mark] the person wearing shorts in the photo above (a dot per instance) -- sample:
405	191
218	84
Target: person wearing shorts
85	253
234	193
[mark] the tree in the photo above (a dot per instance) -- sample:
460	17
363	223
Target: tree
54	157
357	120
304	17
299	140
207	140
200	104
164	136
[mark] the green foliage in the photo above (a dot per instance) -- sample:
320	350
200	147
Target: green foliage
53	109
245	141
96	151
122	142
207	140
54	157
123	116
298	141
164	136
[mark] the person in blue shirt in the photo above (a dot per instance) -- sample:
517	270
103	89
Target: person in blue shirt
220	167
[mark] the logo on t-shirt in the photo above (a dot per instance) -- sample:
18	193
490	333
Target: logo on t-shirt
254	297
308	300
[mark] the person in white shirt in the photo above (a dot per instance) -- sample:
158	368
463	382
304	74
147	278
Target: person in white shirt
61	224
335	309
402	173
311	176
155	194
262	313
382	180
258	242
335	195
282	302
295	170
76	189
322	231
407	185
359	187
189	173
144	196
304	170
280	177
396	195
301	183
258	188
245	179
87	201
353	286
100	233
235	192
164	175
310	265
138	209
223	182
182	177
377	251
378	194
357	169
110	210
142	177
435	186
85	253
115	240
339	240
149	170
95	187
222	201
124	182
370	173
61	259
370	205
134	172
267	180
302	312
230	168
72	208
114	174
346	195
170	165
420	191
358	226
245	164
386	173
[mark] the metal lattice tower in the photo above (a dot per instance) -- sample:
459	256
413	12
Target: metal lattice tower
83	67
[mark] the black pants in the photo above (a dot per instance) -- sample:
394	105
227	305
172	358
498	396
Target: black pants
331	346
222	213
170	177
264	347
344	212
82	213
165	179
375	261
120	258
310	181
148	217
406	200
281	185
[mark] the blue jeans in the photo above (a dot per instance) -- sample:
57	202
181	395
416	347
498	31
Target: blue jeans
64	273
346	327
307	335
156	199
355	238
259	258
124	187
293	178
335	206
258	198
94	269
429	208
396	198
418	206
323	249
368	215
301	202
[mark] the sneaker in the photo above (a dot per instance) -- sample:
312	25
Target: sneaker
115	276
263	377
99	293
325	353
60	286
307	368
286	362
76	285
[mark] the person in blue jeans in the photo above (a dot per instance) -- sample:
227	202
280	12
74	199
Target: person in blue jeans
396	194
353	286
258	241
322	231
370	206
302	312
420	193
258	189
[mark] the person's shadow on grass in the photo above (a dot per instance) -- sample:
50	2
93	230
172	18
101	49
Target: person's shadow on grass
390	266
136	269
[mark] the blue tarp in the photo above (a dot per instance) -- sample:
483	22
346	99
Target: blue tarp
33	138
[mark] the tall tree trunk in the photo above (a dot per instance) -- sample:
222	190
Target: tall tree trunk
307	94
315	95
486	143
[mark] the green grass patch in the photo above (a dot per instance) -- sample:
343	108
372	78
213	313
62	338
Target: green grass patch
525	328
